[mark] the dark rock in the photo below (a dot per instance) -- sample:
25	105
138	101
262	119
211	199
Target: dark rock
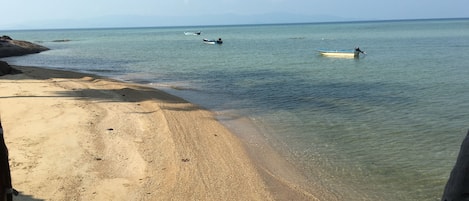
6	69
10	47
457	187
61	40
4	37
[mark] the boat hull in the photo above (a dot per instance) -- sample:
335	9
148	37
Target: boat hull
192	33
213	42
339	54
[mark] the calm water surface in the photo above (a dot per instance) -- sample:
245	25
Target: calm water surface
387	126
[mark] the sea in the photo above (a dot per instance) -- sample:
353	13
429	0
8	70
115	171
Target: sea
385	126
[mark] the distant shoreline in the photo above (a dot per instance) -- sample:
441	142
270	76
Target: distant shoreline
229	25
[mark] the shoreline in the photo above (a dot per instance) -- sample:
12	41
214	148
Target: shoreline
196	157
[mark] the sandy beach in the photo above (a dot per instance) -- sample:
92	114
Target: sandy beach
74	136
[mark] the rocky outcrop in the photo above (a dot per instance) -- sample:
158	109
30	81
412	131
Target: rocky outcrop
457	187
7	69
10	47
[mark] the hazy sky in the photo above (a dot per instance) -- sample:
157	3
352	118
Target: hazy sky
17	13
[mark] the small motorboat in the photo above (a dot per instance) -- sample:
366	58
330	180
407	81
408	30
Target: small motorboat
192	33
213	42
342	53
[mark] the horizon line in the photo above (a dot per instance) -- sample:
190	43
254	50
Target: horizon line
234	25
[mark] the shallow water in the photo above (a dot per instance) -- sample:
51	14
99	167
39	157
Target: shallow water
386	126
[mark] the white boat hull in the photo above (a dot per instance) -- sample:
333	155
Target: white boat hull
339	54
191	33
212	42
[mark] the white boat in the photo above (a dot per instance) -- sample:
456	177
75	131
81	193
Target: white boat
342	53
192	33
213	42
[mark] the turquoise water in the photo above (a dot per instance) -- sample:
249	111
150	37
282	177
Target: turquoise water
387	126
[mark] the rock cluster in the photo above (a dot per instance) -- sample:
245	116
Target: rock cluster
10	47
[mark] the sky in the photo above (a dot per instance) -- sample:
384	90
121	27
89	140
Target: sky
24	14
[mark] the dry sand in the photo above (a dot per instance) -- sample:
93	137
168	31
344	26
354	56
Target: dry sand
74	136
